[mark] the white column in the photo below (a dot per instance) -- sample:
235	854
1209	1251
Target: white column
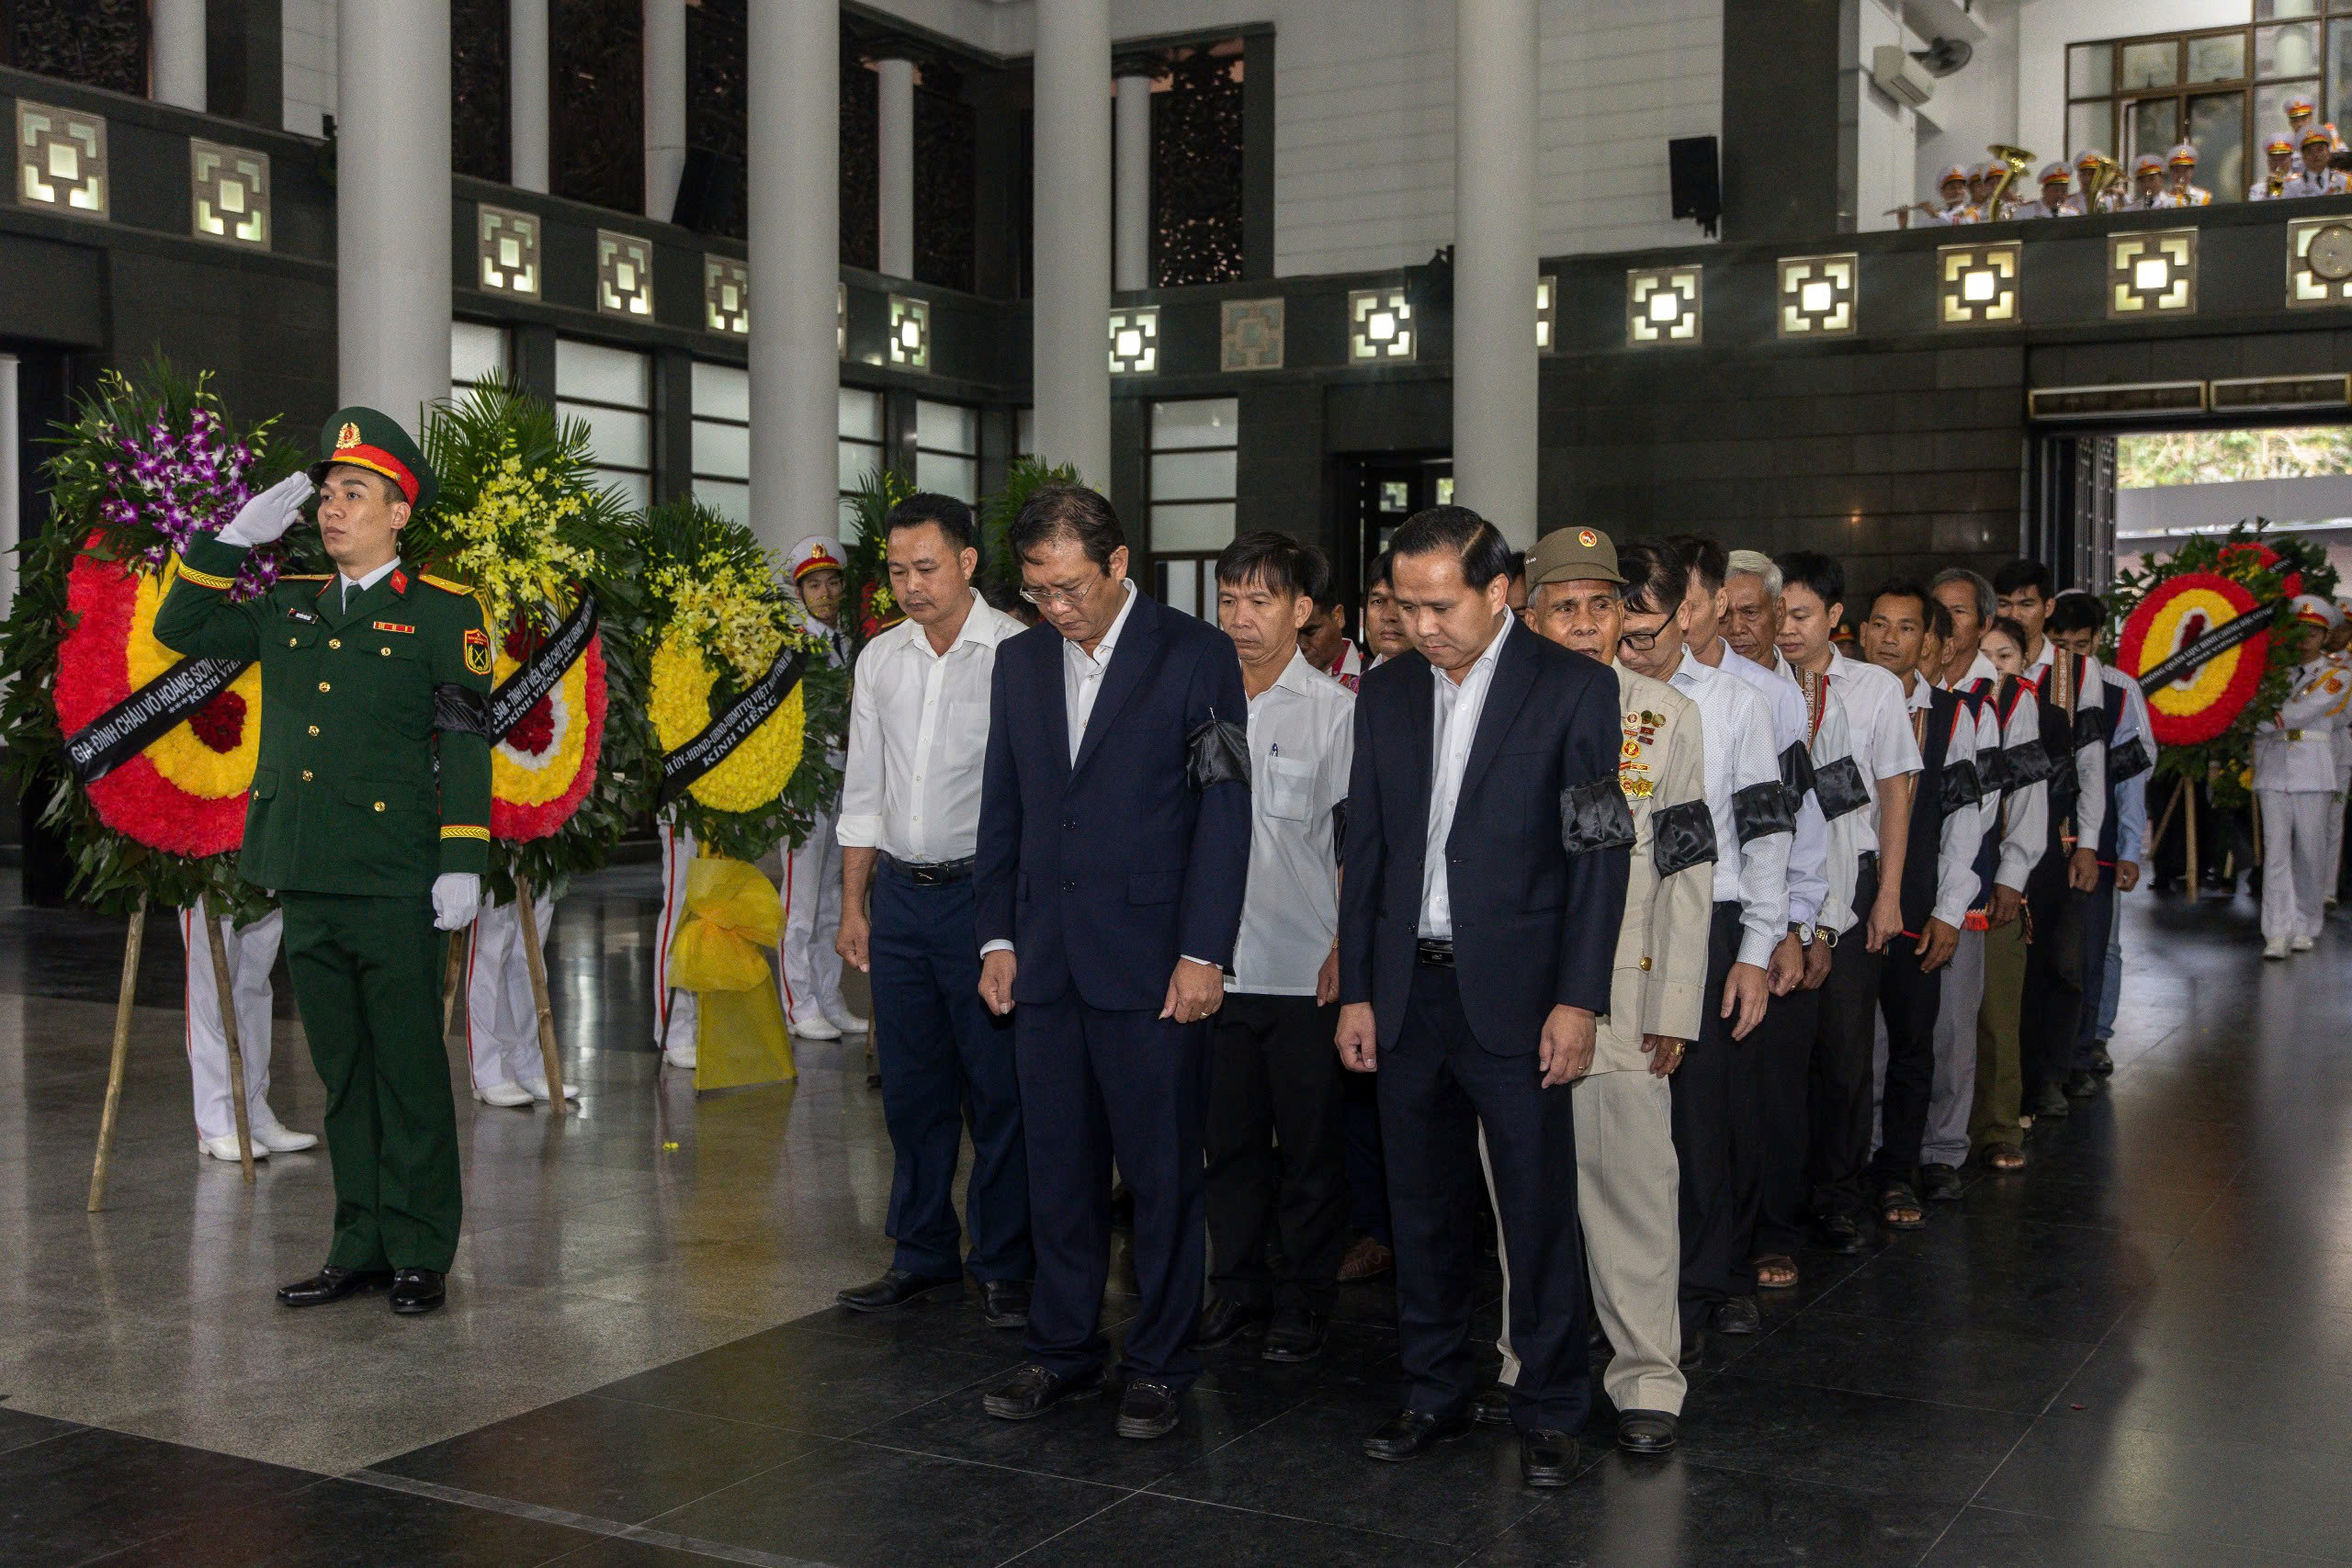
794	158
665	104
392	204
1131	185
176	39
1493	263
1071	363
895	126
528	159
12	519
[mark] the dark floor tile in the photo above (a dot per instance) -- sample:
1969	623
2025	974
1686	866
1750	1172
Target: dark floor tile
1673	1513
92	1492
2118	1259
344	1522
2202	1489
810	1382
19	1428
1075	1442
1840	1438
1979	1367
1986	1538
1353	1355
2254	1397
2050	1196
2307	1325
615	1551
603	1458
857	1506
1147	1531
2016	1297
942	1324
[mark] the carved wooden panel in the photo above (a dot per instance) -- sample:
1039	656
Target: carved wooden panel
1196	127
943	191
596	55
98	43
479	121
717	69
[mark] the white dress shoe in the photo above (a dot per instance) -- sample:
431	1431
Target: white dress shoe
513	1096
846	1022
281	1140
815	1026
679	1056
226	1148
2301	944
538	1088
2275	948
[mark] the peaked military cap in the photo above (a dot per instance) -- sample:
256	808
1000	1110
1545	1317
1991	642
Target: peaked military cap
373	441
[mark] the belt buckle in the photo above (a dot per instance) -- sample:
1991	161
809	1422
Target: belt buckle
1436	953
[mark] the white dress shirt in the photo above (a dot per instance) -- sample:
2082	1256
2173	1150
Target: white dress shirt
1833	739
1453	727
2296	750
1987	727
919	739
2129	799
352	587
2025	824
1809	850
1961	833
1082	671
1878	724
1302	745
1739	732
2090	756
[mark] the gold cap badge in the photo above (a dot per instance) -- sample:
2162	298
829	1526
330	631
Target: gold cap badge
348	437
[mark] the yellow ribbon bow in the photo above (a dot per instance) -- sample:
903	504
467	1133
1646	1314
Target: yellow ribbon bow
732	912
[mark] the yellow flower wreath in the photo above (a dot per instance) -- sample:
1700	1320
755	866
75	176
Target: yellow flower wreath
754	774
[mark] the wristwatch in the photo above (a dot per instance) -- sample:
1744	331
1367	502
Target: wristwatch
1803	931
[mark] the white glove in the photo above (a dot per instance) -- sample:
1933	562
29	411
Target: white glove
457	898
266	516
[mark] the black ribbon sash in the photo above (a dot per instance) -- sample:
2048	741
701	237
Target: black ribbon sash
132	725
2207	648
730	729
520	693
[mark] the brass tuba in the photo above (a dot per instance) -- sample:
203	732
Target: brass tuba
2015	162
2104	172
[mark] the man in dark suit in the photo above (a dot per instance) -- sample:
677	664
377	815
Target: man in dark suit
1487	863
1114	843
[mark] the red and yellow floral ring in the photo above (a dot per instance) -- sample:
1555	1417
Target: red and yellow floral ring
2176	613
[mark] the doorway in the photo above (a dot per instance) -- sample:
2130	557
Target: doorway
1377	493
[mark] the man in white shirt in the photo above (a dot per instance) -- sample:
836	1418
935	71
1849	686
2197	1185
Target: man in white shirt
1881	764
2318	176
2294	778
1325	641
2076	623
808	968
1714	1113
909	813
1276	1169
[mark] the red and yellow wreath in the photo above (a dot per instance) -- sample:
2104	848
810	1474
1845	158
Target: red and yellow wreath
544	768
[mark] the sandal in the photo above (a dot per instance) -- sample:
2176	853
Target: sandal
2004	1157
1776	1271
1899	1208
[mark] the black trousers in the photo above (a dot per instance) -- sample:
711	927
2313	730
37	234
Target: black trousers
2098	924
1276	1160
1708	1107
1777	1057
2052	1014
1438	1088
1842	1086
1910	998
1367	1162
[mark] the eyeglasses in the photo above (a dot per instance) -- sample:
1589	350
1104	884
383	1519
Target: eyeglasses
1640	642
1047	598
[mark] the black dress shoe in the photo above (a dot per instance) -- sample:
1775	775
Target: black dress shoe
2080	1086
1546	1457
1296	1335
417	1290
2050	1102
1004	1303
1409	1434
1030	1390
1222	1322
1492	1407
1737	1314
2101	1063
1645	1431
1694	1339
332	1283
1148	1408
896	1287
1939	1183
1837	1233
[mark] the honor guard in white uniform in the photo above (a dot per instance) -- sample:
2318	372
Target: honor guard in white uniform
2301	113
811	970
2280	152
2055	202
2340	654
2088	198
1951	206
502	1016
2180	169
2317	177
252	952
2294	786
2148	185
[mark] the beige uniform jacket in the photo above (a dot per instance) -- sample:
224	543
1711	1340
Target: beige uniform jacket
1660	981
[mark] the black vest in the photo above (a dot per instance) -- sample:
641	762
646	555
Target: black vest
2110	827
1992	777
1939	792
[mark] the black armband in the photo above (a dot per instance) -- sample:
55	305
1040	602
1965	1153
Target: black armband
460	710
1992	772
1796	769
1682	836
1761	810
1841	788
2127	761
2090	724
1594	816
2027	762
1217	751
1959	786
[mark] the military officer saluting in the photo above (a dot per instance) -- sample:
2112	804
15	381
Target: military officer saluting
369	676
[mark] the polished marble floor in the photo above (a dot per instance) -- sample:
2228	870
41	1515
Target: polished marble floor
2139	1352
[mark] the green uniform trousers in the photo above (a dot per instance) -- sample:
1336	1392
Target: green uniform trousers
2000	1078
367	975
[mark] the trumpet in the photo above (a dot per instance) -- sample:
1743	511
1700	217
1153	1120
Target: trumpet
2015	162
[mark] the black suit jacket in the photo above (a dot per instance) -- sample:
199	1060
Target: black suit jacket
1534	927
1102	871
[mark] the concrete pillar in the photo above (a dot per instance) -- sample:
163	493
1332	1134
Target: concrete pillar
1493	263
1071	302
176	40
393	239
894	124
528	87
12	497
794	149
665	104
1131	185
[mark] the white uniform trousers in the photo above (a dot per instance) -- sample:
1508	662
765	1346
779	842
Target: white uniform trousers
2335	836
811	970
501	1019
251	953
1628	1191
673	1012
2294	861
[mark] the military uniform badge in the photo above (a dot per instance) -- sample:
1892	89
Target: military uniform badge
477	650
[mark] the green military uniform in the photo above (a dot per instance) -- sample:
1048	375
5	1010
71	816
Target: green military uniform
373	778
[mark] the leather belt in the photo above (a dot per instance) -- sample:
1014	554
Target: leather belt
1437	952
937	873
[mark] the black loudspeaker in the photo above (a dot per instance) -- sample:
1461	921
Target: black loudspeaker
1698	180
709	192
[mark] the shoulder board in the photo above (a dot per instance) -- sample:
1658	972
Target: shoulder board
302	577
444	584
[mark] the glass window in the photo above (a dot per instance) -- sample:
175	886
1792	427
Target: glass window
2339	75
722	431
2217	126
1192	481
2220	58
2090	69
2288	50
2266	10
476	349
2150	125
947	449
1197	421
612	390
2152	64
1193	476
2090	126
859	451
1024	433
